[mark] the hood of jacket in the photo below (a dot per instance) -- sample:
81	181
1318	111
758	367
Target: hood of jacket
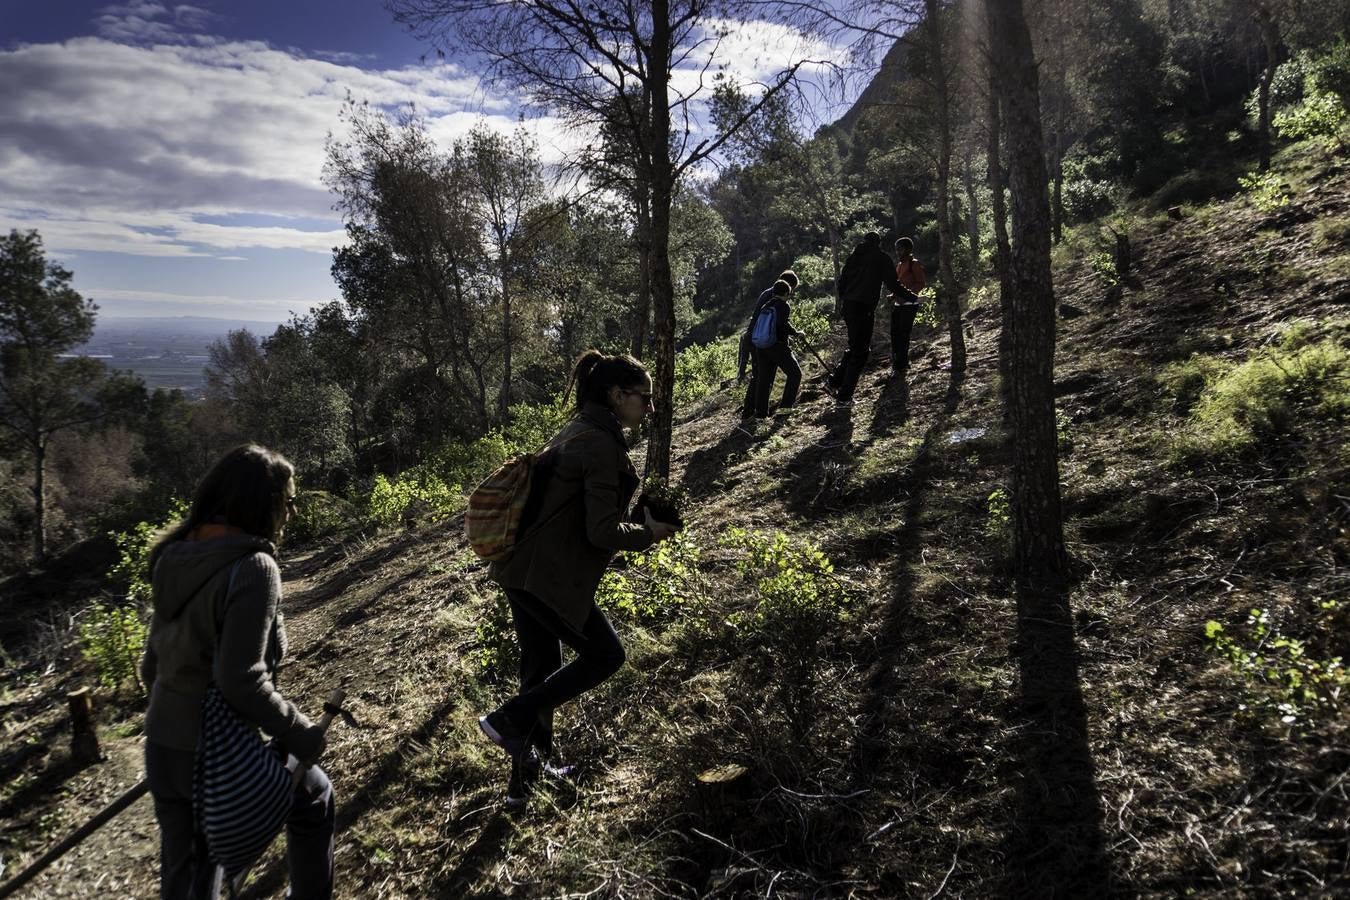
184	568
602	417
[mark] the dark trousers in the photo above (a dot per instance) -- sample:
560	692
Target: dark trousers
185	871
767	364
859	318
752	386
545	683
902	323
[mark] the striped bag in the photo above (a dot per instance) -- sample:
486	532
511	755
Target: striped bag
498	505
242	790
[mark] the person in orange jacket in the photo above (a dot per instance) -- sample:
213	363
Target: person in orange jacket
904	307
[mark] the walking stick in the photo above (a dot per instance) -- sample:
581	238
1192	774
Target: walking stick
330	709
812	351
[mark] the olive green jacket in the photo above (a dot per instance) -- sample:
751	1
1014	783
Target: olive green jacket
563	551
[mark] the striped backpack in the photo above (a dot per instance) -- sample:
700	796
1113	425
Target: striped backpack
499	505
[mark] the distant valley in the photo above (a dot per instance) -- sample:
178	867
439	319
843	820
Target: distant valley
166	352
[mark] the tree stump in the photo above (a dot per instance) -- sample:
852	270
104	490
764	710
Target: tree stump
84	747
720	790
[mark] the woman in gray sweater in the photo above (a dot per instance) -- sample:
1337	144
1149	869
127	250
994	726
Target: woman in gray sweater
216	593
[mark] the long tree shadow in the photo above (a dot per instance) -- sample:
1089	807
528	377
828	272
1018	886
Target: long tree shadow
1055	847
881	685
364	799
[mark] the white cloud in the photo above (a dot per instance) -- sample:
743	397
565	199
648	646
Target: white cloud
104	138
152	303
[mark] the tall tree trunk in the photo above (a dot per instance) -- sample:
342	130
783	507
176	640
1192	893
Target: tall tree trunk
504	396
972	202
1270	37
39	443
644	242
951	305
1002	252
663	288
1038	525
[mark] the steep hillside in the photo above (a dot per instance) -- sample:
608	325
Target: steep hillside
902	725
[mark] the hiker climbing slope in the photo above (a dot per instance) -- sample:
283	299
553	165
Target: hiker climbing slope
552	574
903	309
769	333
747	347
216	640
865	271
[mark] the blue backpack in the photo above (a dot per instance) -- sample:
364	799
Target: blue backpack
764	330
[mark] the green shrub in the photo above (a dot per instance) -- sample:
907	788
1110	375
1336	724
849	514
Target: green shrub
655	584
1186	380
496	651
112	638
1285	89
998	518
813	320
1281	677
797	603
1084	197
1319	115
318	514
1331	71
419	491
133	552
701	369
1267	191
1104	265
928	313
1253	404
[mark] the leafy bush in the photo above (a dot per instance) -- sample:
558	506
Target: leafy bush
701	369
928	309
1285	89
1260	400
1084	197
1331	71
998	519
318	514
1319	115
112	638
1104	265
1267	190
1282	679
654	585
417	491
813	320
797	603
497	653
112	635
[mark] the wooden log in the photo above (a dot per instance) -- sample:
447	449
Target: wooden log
83	736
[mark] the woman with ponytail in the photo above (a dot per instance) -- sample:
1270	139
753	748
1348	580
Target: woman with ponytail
579	522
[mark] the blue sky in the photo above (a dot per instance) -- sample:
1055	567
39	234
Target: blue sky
171	154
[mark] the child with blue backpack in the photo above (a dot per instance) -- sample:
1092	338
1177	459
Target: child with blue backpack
769	331
748	352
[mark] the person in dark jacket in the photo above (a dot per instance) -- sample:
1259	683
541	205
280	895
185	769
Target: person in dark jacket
778	355
865	271
551	578
747	349
216	591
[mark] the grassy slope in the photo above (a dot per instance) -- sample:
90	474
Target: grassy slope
935	763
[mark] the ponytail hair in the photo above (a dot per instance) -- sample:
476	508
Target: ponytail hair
594	374
246	488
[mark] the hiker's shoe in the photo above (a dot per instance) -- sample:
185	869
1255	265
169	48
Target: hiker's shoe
536	766
504	732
